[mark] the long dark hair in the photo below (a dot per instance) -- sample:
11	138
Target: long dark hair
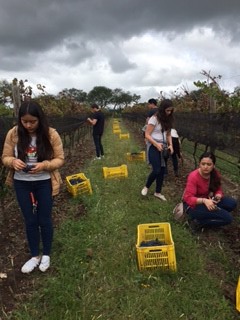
215	181
44	147
166	120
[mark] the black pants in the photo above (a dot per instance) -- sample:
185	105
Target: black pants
98	144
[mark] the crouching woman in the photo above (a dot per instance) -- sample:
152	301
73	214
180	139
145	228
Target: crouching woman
203	196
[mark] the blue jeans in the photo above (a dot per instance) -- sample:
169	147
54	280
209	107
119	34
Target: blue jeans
97	138
38	225
157	173
219	217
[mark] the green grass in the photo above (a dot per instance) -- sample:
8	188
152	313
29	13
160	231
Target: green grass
94	269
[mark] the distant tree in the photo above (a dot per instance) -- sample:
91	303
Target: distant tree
75	94
117	98
121	99
5	92
236	91
138	108
100	95
136	98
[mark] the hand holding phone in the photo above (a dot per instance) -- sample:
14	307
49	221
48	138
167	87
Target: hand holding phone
28	168
215	199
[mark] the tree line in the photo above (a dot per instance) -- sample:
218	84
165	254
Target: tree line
208	97
67	101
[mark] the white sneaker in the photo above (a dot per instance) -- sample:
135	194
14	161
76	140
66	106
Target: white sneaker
30	265
160	196
97	158
45	263
144	191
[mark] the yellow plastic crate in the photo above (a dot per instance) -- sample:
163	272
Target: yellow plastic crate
116	128
136	156
238	295
115	172
117	131
78	184
159	256
124	136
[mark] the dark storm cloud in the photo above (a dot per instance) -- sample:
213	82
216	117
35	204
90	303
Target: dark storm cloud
89	35
39	25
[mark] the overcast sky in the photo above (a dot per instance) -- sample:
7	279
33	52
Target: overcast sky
141	46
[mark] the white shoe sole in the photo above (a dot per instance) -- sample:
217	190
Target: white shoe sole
30	265
45	263
144	192
160	196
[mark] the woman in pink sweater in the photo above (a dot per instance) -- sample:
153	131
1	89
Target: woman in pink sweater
203	196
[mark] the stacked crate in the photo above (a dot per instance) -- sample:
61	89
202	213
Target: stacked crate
116	128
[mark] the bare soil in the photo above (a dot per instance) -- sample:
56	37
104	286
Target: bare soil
15	286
